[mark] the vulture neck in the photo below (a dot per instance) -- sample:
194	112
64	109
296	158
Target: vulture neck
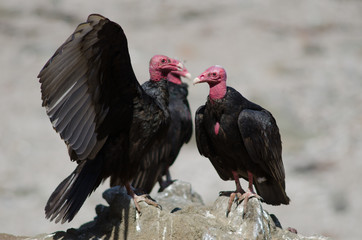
161	93
217	91
156	75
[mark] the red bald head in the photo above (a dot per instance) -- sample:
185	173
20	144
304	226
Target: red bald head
161	66
215	76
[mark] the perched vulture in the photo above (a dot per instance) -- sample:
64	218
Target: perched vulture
241	139
179	132
100	110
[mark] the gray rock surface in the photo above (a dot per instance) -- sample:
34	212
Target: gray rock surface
183	216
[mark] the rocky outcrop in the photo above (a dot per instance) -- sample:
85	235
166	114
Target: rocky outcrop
183	216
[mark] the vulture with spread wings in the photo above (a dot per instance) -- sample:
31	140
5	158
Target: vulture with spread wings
100	110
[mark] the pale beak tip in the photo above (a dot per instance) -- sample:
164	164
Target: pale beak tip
180	66
188	76
196	81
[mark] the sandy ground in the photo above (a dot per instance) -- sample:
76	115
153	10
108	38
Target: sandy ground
299	59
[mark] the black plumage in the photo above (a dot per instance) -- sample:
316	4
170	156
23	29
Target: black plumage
165	151
241	139
98	107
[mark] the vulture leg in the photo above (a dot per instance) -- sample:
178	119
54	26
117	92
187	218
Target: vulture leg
239	194
250	178
250	193
139	198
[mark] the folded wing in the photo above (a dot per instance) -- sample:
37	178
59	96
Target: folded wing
262	140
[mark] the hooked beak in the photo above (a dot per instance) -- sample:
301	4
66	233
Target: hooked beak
180	66
199	79
183	72
188	76
196	81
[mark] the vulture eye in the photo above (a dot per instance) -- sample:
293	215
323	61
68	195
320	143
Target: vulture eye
214	74
163	60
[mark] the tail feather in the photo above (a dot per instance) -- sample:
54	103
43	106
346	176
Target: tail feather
272	192
146	180
71	193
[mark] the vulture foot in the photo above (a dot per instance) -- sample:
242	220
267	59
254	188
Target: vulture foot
144	198
238	197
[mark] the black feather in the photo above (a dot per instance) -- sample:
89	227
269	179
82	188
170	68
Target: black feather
165	149
98	107
248	141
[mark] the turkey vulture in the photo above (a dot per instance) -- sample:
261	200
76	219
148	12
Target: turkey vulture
179	132
241	139
100	110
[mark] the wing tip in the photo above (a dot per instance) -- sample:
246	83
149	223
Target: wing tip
95	17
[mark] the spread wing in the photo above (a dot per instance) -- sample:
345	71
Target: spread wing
262	140
88	86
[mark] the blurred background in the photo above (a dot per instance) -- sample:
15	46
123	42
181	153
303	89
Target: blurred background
301	60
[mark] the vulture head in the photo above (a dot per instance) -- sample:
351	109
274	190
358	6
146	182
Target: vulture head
161	66
215	76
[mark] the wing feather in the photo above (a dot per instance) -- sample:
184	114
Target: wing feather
262	140
205	146
201	135
86	145
79	134
74	104
60	92
153	164
54	107
74	128
88	85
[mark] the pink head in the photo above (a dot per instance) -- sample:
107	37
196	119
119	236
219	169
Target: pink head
175	76
161	66
215	76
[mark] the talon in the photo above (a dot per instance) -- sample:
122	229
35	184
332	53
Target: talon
145	198
139	198
238	197
159	206
231	200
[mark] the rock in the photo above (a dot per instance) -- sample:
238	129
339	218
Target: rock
4	236
177	196
183	216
